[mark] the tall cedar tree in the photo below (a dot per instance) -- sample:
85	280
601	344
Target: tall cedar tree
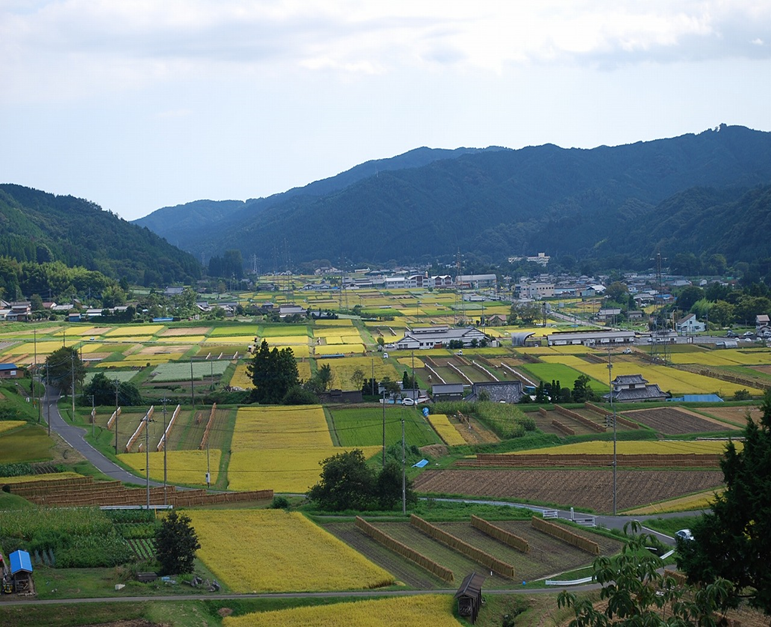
273	373
176	543
733	541
60	367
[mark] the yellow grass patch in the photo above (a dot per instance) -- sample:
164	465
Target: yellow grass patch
418	610
135	330
304	371
45	347
182	467
10	425
644	447
410	362
273	550
446	429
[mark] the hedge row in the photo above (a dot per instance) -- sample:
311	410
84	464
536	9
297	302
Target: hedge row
500	534
470	551
403	550
559	532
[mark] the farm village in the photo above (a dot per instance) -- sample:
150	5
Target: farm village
421	443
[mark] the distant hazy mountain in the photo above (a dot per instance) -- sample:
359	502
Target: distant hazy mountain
40	227
690	194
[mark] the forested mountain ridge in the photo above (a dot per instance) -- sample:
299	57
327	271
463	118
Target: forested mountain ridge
39	227
181	223
503	202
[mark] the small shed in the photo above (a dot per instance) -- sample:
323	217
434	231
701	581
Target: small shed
469	596
21	571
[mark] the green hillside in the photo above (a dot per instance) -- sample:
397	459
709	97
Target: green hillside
39	227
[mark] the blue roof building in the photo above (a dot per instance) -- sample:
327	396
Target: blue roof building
20	562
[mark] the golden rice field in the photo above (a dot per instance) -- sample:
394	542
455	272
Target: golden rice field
240	378
282	470
321	350
135	330
192	340
417	610
643	447
10	425
446	430
186	331
343	369
274	550
338	322
410	362
182	467
78	331
280	427
91	348
332	331
275	341
229	340
696	501
304	371
43	348
728	357
63	475
676	381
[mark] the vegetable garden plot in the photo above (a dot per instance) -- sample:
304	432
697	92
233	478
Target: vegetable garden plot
576	487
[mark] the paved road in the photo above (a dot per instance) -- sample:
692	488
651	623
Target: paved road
75	438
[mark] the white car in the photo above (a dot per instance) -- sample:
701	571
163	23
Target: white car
407	401
684	535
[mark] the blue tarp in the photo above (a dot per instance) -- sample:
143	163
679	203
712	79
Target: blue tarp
20	561
698	399
421	464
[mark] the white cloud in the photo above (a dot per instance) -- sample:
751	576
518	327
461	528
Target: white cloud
77	47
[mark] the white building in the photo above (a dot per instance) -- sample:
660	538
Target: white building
689	325
439	336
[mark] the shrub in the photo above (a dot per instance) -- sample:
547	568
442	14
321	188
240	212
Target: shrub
279	502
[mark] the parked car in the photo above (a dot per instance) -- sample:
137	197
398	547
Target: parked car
684	535
407	401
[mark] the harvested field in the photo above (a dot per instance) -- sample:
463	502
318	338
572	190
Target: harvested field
736	415
580	488
675	421
472	431
547	556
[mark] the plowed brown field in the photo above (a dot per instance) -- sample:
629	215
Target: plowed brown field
675	421
580	488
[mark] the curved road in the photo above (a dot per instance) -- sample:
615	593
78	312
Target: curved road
75	438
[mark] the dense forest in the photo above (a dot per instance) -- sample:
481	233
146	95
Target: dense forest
41	228
690	195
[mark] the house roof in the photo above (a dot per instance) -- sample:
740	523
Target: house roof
629	379
8	366
447	389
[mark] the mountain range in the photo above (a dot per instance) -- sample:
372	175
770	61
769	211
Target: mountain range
698	193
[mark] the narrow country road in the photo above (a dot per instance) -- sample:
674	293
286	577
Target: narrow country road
75	438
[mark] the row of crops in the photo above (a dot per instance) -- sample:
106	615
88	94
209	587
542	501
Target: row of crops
78	537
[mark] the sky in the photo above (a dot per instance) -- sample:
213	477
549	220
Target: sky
140	104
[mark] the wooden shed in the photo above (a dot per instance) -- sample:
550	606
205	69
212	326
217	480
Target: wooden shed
469	596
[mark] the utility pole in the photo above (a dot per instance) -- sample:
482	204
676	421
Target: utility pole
192	397
35	370
403	465
93	416
116	384
164	442
48	402
614	419
383	407
72	369
147	458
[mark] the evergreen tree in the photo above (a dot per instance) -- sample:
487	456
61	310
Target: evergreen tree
733	541
176	543
62	365
273	373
